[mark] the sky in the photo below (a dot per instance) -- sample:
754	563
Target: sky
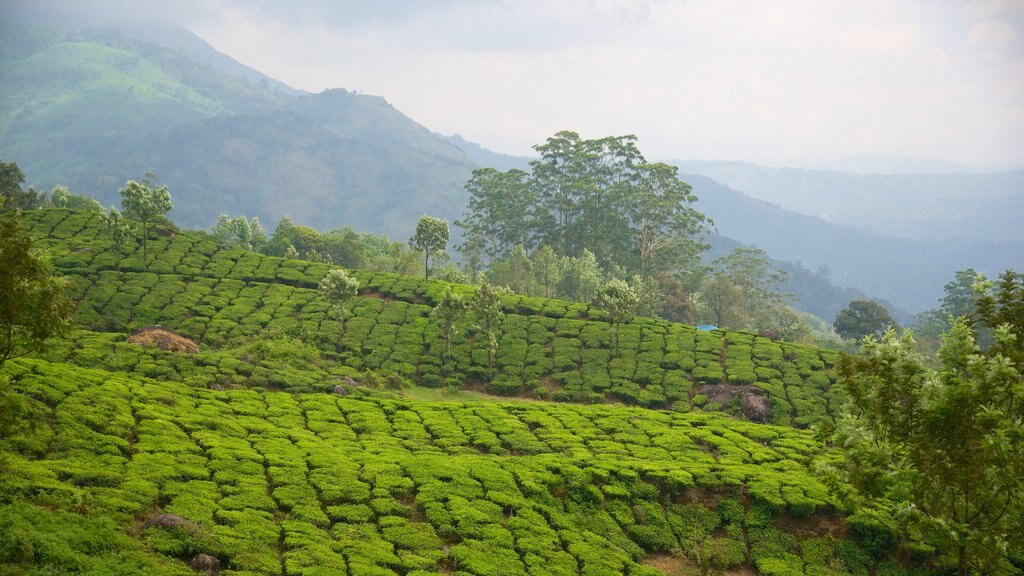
784	82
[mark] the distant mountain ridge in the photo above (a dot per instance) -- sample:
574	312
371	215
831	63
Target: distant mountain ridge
91	109
975	206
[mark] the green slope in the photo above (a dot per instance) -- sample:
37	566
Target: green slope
224	297
279	483
264	465
91	109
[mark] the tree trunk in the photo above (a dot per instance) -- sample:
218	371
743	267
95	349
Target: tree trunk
145	237
962	568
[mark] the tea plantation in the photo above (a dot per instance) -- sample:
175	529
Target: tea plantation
141	460
547	348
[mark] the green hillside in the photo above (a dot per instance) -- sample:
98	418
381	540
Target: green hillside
85	108
248	451
222	298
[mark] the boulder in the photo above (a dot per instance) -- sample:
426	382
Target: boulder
205	564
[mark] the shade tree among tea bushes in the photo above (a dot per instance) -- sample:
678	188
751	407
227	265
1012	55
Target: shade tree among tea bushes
147	202
487	313
447	313
338	288
598	196
431	238
121	233
619	302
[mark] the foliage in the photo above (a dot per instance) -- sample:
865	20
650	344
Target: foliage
742	290
222	298
61	197
487	312
146	202
431	237
449	311
1000	305
338	288
600	196
619	302
863	318
939	455
33	305
273	482
12	197
120	231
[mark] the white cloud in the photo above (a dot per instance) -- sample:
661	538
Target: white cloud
780	81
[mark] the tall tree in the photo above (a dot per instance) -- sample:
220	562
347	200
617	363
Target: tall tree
145	201
431	237
259	235
500	211
757	281
544	264
619	302
665	225
33	306
120	231
861	318
337	287
1002	304
938	455
486	308
12	197
447	313
722	299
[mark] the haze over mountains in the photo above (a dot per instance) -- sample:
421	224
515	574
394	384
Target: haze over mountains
91	109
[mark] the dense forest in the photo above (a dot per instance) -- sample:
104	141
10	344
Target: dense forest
237	402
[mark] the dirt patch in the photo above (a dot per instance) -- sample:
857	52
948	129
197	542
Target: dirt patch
674	565
164	339
671	564
754	406
816	525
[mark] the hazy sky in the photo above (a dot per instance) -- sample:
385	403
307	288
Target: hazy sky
785	81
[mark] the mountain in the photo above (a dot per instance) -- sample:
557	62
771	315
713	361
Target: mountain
90	109
907	273
483	157
970	206
879	164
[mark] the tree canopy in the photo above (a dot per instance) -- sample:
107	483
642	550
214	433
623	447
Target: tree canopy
862	318
431	237
938	455
600	196
337	287
145	201
33	306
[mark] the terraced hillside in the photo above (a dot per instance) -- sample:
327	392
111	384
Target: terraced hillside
548	349
278	450
280	483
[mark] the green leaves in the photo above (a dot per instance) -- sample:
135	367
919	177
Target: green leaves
940	451
431	237
146	202
33	306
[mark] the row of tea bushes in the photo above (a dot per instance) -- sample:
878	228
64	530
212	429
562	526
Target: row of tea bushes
548	348
278	483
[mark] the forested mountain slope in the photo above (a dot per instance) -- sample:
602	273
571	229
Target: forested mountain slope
908	273
85	109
